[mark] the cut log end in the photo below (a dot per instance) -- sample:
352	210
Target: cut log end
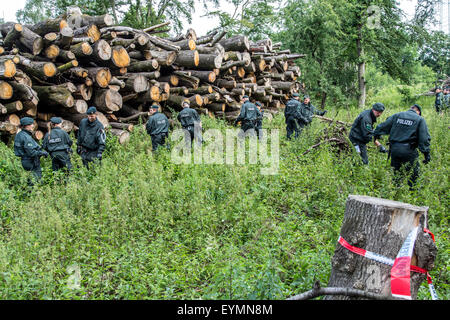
49	69
120	57
86	49
9	69
6	90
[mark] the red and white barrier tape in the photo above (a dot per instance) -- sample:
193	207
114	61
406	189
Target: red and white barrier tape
401	266
401	270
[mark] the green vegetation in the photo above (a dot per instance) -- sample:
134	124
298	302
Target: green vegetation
142	227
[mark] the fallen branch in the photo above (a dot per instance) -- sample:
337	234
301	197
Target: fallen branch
320	143
318	291
134	116
332	120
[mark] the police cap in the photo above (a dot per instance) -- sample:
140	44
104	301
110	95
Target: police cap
55	120
418	108
25	121
378	107
91	110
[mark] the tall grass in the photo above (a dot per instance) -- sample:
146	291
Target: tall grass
142	227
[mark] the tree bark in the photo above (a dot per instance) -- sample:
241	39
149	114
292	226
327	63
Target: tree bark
107	100
32	41
122	135
6	90
236	43
361	69
55	96
380	226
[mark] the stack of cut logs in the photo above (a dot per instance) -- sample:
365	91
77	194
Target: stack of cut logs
59	67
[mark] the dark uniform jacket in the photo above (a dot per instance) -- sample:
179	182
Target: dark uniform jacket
439	101
26	147
307	111
249	113
260	120
91	136
362	128
29	151
406	127
188	117
293	110
57	140
446	102
157	124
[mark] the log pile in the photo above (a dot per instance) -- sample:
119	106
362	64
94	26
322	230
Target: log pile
59	67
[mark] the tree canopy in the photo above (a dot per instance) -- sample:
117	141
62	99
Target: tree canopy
134	13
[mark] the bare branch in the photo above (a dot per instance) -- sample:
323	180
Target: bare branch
318	291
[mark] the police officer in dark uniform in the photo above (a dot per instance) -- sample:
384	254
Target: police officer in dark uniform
190	121
91	139
28	149
446	99
259	120
362	130
292	116
407	131
307	111
58	143
248	116
157	127
439	100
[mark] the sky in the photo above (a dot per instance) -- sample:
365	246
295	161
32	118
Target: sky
201	25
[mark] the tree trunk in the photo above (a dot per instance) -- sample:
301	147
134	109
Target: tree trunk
144	66
24	93
107	100
65	38
164	58
81	50
39	69
91	31
32	41
206	76
361	70
52	52
13	107
122	135
47	26
136	83
101	76
55	96
209	61
6	90
14	34
379	226
236	43
187	58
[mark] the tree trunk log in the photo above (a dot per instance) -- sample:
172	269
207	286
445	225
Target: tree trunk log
380	226
39	69
107	100
55	96
6	90
236	43
144	66
122	135
187	58
101	76
32	41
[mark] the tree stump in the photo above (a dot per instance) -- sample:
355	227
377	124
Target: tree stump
380	226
